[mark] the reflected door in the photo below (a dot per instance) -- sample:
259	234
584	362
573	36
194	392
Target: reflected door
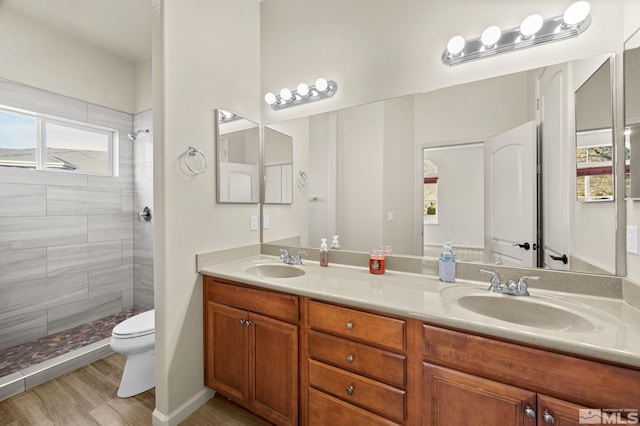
510	194
552	90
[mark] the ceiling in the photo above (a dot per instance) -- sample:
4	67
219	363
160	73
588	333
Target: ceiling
121	27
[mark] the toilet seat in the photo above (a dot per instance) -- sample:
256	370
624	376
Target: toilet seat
139	325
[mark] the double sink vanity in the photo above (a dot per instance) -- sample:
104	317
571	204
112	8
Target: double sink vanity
303	344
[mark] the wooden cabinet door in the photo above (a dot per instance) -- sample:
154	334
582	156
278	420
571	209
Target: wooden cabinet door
552	411
227	349
453	398
273	366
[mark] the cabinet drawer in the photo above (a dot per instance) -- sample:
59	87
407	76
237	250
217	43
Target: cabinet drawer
357	325
326	410
357	357
369	394
268	303
589	383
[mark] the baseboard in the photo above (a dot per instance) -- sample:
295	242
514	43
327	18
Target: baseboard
185	410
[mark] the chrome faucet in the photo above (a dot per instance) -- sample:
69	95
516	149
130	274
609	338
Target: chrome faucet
296	260
511	288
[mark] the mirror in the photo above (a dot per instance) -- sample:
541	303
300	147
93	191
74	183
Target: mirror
632	114
278	167
594	137
237	158
367	177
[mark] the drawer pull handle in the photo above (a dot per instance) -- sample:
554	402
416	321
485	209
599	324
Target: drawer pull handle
548	418
349	325
350	358
350	390
529	412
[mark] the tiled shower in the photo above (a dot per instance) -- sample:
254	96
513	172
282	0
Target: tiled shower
71	247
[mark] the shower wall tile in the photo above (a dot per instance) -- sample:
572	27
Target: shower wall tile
31	232
124	180
83	257
108	117
23	265
127	201
110	227
70	315
41	177
108	280
78	201
127	299
38	295
143	298
38	100
22	200
127	252
22	328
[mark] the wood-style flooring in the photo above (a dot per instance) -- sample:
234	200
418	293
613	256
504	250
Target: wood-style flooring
87	396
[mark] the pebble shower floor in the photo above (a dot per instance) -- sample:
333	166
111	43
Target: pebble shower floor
22	356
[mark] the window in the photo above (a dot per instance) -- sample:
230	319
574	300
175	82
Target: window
430	174
35	141
594	158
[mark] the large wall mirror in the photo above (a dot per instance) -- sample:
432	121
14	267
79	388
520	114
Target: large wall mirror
414	172
237	158
632	114
278	167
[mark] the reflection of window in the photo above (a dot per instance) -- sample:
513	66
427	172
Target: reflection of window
33	141
594	160
430	173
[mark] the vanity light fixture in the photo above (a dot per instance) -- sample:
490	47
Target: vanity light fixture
533	30
226	116
322	89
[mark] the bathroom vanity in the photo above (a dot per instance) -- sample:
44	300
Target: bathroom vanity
328	344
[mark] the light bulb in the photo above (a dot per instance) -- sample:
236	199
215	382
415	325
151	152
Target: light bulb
456	44
285	94
303	89
531	25
576	13
270	98
491	35
321	84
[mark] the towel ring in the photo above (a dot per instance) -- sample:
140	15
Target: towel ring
192	153
303	179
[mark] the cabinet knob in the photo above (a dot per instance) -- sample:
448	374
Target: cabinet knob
349	325
350	390
548	418
350	358
247	323
242	322
529	412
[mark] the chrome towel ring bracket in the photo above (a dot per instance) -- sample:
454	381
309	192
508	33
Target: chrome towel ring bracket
192	152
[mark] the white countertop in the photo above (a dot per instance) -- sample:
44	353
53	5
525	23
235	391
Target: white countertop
615	336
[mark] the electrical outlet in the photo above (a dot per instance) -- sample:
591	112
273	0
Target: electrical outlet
254	223
266	222
632	239
390	216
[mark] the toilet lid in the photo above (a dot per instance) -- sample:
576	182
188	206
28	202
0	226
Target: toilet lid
137	325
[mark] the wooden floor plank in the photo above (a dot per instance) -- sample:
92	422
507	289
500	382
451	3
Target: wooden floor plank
87	396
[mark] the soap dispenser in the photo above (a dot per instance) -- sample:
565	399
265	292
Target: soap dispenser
324	253
447	264
335	244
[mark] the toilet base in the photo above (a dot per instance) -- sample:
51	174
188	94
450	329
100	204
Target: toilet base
139	374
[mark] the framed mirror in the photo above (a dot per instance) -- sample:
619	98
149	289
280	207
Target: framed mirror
278	167
594	137
632	115
237	158
367	177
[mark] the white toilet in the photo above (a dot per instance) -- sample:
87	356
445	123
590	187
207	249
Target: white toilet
135	339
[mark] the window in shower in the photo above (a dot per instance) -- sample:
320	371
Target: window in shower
35	141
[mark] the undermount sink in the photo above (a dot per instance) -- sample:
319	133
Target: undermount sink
271	270
536	311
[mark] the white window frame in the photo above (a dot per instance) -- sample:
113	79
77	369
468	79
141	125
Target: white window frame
42	120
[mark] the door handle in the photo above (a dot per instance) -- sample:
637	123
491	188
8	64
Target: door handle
525	246
562	258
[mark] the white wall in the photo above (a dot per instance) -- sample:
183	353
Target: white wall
377	49
195	70
37	56
143	98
